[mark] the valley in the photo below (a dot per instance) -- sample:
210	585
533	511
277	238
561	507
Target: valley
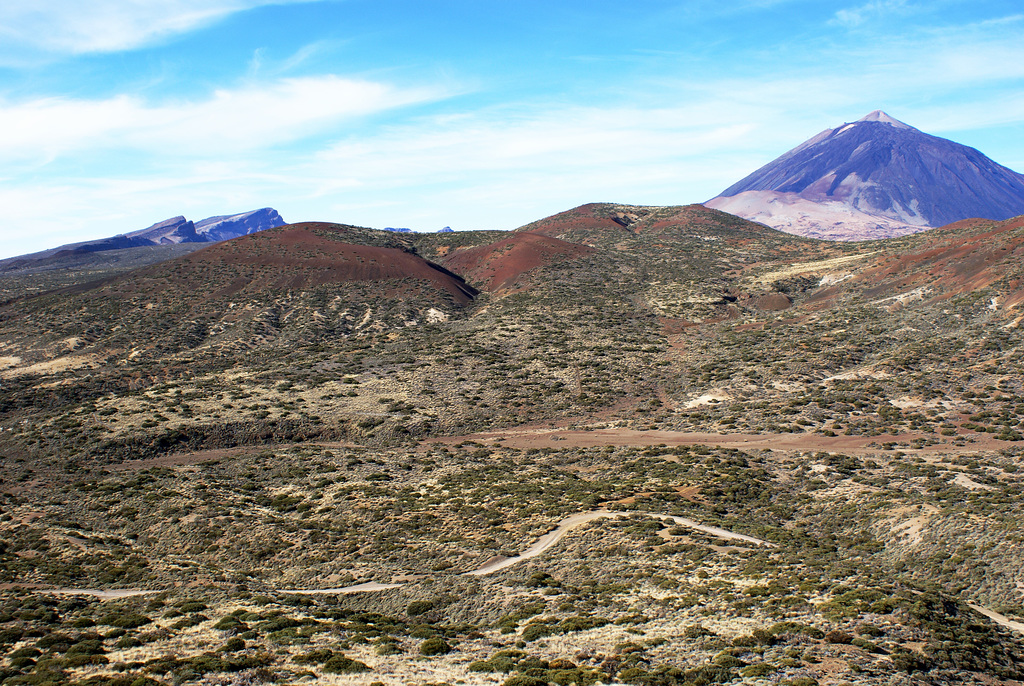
322	406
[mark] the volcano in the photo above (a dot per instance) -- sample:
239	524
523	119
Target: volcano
876	177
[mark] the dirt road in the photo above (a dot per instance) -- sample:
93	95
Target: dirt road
570	438
545	542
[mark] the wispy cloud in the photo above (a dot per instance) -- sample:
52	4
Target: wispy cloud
855	16
253	117
76	26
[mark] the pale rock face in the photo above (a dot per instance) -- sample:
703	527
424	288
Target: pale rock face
211	229
874	178
173	230
232	226
829	220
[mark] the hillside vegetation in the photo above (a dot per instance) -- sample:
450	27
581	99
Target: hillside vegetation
320	406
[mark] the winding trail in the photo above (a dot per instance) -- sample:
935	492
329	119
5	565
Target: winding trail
545	542
1002	620
541	545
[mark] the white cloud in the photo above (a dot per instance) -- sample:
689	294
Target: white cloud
254	117
855	16
84	26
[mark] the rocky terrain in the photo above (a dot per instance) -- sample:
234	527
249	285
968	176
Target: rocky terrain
314	454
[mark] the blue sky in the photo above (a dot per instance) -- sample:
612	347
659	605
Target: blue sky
115	114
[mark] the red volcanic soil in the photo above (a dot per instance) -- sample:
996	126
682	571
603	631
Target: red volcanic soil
594	217
955	260
499	265
302	256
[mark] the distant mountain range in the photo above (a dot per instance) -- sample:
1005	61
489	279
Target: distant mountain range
874	178
173	231
209	230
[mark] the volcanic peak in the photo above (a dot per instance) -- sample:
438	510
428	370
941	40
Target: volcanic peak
874	178
880	116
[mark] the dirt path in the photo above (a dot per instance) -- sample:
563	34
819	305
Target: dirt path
998	618
566	525
561	437
545	542
101	594
573	438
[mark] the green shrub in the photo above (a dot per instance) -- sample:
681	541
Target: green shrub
760	669
435	646
524	680
697	631
131	620
231	622
317	656
341	664
419	607
537	630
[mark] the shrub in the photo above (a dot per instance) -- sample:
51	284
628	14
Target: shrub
317	656
697	631
435	646
537	630
231	622
839	637
419	607
341	664
524	680
760	669
131	620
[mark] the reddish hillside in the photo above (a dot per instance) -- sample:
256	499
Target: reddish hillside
943	263
299	257
500	265
578	223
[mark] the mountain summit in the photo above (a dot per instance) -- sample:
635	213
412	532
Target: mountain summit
874	178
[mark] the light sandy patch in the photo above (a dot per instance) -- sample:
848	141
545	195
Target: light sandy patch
911	529
970	484
345	590
1014	324
818	267
715	396
436	316
907	403
788	387
833	279
11	361
60	364
903	298
863	373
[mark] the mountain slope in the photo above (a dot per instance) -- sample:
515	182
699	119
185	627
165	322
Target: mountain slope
873	178
283	411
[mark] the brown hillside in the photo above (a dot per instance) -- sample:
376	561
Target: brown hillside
955	260
578	222
499	265
308	255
